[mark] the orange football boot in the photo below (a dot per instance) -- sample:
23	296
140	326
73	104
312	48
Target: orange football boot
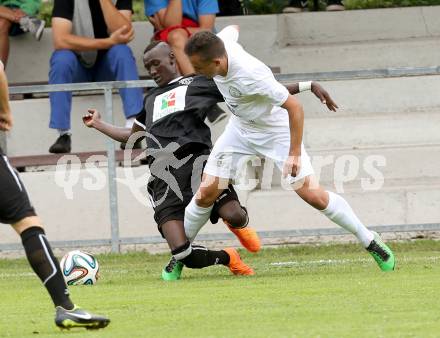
247	236
236	265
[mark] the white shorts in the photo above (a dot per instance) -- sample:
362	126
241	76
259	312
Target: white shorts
236	145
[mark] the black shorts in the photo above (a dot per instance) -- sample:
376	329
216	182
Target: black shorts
168	202
14	200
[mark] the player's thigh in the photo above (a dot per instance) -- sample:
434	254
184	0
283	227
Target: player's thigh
210	189
15	206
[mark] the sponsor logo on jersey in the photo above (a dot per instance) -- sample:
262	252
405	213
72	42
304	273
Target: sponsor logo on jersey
169	102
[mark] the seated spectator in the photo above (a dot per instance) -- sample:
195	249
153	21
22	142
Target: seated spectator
17	17
90	40
174	22
297	6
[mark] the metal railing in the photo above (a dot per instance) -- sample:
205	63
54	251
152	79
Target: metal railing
108	87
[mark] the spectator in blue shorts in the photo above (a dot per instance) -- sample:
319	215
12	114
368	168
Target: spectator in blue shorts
17	17
174	22
90	40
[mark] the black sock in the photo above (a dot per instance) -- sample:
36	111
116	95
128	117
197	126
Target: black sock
198	257
45	265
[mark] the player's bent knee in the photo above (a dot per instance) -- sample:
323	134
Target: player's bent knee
318	201
5	26
177	38
236	218
26	223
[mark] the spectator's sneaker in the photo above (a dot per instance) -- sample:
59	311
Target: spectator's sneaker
236	265
334	6
247	236
62	145
296	6
173	270
67	319
381	253
33	25
216	114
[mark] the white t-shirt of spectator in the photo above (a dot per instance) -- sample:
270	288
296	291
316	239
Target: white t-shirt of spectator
250	89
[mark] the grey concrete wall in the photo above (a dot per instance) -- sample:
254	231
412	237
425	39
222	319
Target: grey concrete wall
318	28
388	104
303	42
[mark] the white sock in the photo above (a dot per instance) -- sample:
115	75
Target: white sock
64	132
340	212
195	219
129	122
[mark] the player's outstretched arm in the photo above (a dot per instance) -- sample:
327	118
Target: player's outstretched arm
316	89
93	120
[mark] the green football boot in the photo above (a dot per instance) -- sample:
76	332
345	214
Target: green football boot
173	270
381	253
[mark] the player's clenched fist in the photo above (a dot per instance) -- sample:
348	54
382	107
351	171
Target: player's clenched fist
292	166
91	118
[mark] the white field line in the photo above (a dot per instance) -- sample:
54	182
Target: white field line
282	264
348	261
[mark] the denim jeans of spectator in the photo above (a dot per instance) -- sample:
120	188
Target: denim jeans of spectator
118	64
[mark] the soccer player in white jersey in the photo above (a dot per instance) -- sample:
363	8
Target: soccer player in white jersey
267	121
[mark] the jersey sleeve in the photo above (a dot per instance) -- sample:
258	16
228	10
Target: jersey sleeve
208	7
63	9
271	89
140	119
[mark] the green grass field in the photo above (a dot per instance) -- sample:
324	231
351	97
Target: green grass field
313	291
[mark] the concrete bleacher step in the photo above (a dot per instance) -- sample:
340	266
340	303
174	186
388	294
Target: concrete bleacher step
408	102
339	168
70	211
379	130
405	203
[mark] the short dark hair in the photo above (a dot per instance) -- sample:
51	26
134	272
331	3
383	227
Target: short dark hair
205	44
153	44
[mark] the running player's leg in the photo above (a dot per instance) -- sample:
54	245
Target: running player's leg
16	209
330	204
235	216
198	211
336	208
197	256
221	167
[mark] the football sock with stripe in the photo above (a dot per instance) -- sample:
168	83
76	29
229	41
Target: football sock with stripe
340	212
45	265
198	257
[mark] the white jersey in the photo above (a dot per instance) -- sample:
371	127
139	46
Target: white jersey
251	91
